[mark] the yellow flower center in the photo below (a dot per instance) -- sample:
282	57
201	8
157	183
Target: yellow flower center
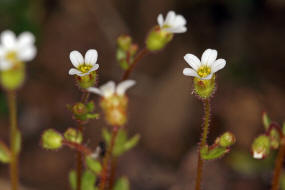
84	68
11	56
204	71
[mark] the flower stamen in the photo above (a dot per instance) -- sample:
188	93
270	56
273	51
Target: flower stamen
11	56
204	71
84	68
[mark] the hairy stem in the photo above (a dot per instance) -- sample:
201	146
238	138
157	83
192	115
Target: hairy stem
113	171
139	56
104	174
280	157
203	143
14	173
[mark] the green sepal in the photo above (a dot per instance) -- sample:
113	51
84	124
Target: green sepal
88	180
73	135
132	142
93	165
157	39
92	116
87	81
72	179
266	120
122	184
204	88
13	79
5	154
214	153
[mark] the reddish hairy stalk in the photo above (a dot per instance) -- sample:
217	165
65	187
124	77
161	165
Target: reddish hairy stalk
79	147
203	142
113	172
104	173
14	173
280	157
139	56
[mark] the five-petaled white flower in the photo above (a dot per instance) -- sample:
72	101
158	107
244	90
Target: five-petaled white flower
84	66
173	23
13	49
205	68
109	89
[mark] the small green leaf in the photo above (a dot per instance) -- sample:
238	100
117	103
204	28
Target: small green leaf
92	116
265	120
214	153
72	179
90	106
122	184
106	135
93	165
88	180
5	155
132	142
120	142
18	142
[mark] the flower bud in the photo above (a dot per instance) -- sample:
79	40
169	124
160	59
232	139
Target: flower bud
157	39
87	80
79	109
124	42
73	135
51	139
204	88
265	120
13	78
261	147
227	139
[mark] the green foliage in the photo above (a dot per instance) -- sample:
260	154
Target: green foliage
265	120
83	112
122	184
72	179
93	165
87	183
122	143
213	153
5	155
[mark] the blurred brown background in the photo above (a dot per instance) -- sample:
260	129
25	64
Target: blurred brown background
249	34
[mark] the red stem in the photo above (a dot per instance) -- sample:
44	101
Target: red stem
104	174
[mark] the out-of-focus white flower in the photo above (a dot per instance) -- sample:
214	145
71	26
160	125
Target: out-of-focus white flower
109	89
83	66
173	23
205	68
13	49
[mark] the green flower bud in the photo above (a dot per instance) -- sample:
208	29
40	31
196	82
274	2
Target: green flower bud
51	139
261	147
157	39
204	88
265	120
87	80
79	109
227	139
124	42
73	135
13	78
5	155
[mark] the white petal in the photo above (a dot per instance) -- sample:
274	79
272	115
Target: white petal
209	56
193	61
180	20
95	90
8	39
108	89
94	68
257	155
5	65
26	39
169	18
91	57
123	86
27	54
180	29
218	65
190	72
76	58
208	77
160	20
74	72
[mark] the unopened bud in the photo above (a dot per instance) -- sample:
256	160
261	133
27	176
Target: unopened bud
124	42
51	139
73	135
261	147
227	139
79	109
266	120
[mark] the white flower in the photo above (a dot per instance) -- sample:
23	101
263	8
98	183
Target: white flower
205	68
13	49
173	23
84	66
257	155
109	89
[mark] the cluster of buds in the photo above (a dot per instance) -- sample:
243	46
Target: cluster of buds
83	112
219	148
204	72
85	68
14	52
271	139
114	102
162	34
126	51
